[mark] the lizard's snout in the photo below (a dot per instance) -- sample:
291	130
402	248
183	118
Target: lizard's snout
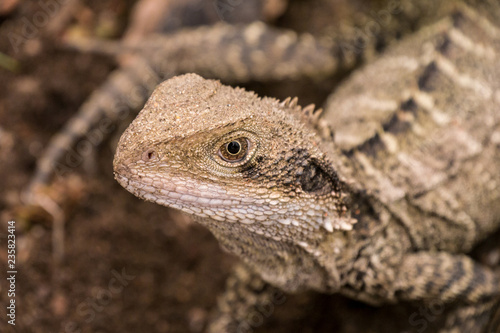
121	165
121	169
121	172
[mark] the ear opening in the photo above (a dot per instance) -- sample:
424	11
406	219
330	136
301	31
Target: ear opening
319	178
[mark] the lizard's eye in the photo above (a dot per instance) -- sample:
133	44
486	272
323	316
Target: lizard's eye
235	150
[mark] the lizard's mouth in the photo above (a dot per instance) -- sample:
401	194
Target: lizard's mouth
176	193
201	202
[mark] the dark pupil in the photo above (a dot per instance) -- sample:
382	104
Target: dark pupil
233	147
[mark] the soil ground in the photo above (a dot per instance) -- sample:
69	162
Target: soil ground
128	265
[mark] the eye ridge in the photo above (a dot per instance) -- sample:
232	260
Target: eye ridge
235	150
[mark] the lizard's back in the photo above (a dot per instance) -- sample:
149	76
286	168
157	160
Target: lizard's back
422	126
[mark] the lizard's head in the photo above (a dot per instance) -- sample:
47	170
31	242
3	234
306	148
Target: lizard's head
231	158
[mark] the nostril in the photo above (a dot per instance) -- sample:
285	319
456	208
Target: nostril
149	155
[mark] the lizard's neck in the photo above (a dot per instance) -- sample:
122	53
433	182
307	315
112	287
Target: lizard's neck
278	261
316	256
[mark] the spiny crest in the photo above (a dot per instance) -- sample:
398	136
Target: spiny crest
243	90
310	115
309	112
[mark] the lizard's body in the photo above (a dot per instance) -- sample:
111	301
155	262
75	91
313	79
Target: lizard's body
382	212
420	130
428	128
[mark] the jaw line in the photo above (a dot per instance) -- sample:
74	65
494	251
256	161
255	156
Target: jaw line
178	196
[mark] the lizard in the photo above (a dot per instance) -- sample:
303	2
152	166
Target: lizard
154	51
378	198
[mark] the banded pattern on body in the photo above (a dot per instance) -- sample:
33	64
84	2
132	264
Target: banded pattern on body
427	143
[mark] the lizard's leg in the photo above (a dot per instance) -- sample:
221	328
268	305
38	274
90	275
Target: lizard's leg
445	278
246	303
472	318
